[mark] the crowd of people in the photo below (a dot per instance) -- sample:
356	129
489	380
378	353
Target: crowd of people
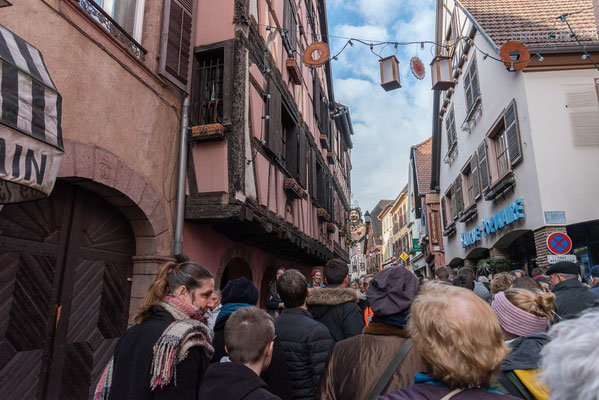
390	336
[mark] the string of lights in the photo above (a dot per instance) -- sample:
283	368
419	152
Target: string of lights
448	46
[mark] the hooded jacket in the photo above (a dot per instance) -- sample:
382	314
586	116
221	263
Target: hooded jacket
337	308
356	364
434	392
276	375
307	344
233	381
571	298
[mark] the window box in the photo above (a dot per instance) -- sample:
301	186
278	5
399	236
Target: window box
294	71
473	115
468	213
323	215
324	141
207	132
293	189
452	153
331	227
330	158
450	230
504	184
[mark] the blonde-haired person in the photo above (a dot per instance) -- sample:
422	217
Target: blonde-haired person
524	316
461	341
165	354
501	281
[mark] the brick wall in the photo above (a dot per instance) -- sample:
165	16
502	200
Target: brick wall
541	243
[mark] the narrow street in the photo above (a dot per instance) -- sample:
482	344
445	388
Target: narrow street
299	199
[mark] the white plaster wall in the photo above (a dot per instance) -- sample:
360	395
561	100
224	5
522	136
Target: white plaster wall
498	87
567	173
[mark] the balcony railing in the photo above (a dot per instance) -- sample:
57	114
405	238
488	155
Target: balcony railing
101	17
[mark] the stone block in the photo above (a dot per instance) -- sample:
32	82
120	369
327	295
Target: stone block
105	168
164	243
159	219
135	188
142	227
140	285
67	165
122	177
148	201
84	162
145	245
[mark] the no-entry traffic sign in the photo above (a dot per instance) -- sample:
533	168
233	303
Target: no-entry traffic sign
559	243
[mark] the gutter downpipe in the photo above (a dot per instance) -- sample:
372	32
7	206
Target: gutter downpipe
180	205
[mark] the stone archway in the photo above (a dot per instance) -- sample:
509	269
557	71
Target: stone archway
236	259
235	268
105	174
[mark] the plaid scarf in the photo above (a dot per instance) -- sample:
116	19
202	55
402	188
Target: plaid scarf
187	331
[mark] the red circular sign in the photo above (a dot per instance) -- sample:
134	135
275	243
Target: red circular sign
559	243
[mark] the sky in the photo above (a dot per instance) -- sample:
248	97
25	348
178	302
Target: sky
386	124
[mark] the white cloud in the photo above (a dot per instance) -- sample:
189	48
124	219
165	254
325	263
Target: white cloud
386	124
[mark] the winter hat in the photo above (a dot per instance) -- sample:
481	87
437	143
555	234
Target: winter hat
595	271
563	267
392	291
515	320
240	290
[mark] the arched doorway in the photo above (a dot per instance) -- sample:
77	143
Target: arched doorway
236	268
65	288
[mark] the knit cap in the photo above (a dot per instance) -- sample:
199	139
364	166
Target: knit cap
516	321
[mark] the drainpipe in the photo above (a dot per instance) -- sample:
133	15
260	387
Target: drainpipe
180	206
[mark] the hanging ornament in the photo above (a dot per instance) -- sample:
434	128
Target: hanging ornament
515	55
417	68
323	48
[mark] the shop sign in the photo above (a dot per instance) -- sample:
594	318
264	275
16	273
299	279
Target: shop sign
555	258
507	216
416	245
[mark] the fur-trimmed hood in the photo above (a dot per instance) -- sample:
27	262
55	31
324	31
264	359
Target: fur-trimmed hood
331	296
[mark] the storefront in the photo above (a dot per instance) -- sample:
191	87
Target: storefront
585	239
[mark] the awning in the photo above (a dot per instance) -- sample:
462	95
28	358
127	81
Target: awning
30	112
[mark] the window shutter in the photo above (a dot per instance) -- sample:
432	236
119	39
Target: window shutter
459	195
290	25
302	159
314	177
474	80
474	176
316	96
448	129
291	150
510	117
176	42
275	141
483	167
468	89
454	206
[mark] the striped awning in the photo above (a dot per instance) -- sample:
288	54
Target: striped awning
30	113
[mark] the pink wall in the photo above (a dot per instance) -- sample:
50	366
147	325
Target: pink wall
215	21
211	167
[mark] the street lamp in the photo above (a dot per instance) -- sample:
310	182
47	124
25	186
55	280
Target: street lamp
367	217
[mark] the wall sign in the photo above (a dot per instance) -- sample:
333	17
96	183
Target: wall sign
555	217
507	216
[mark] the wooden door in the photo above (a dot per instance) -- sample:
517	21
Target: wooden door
64	293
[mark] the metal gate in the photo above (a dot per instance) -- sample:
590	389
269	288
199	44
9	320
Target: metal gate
65	264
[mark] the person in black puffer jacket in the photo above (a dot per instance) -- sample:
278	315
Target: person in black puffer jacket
306	342
240	293
336	304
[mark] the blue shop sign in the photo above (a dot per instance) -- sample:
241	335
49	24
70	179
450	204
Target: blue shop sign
508	215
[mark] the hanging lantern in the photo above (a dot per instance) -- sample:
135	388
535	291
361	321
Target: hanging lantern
441	73
390	73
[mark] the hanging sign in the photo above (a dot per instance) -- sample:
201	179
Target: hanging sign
319	47
30	133
417	68
404	256
559	243
416	245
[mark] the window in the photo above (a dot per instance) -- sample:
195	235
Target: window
447	209
504	149
452	138
468	186
208	96
127	13
501	153
471	85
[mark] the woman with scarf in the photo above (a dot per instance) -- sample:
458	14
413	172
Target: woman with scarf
165	354
237	294
524	316
273	302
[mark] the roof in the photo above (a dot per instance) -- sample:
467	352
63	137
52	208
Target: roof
533	21
377	226
423	160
